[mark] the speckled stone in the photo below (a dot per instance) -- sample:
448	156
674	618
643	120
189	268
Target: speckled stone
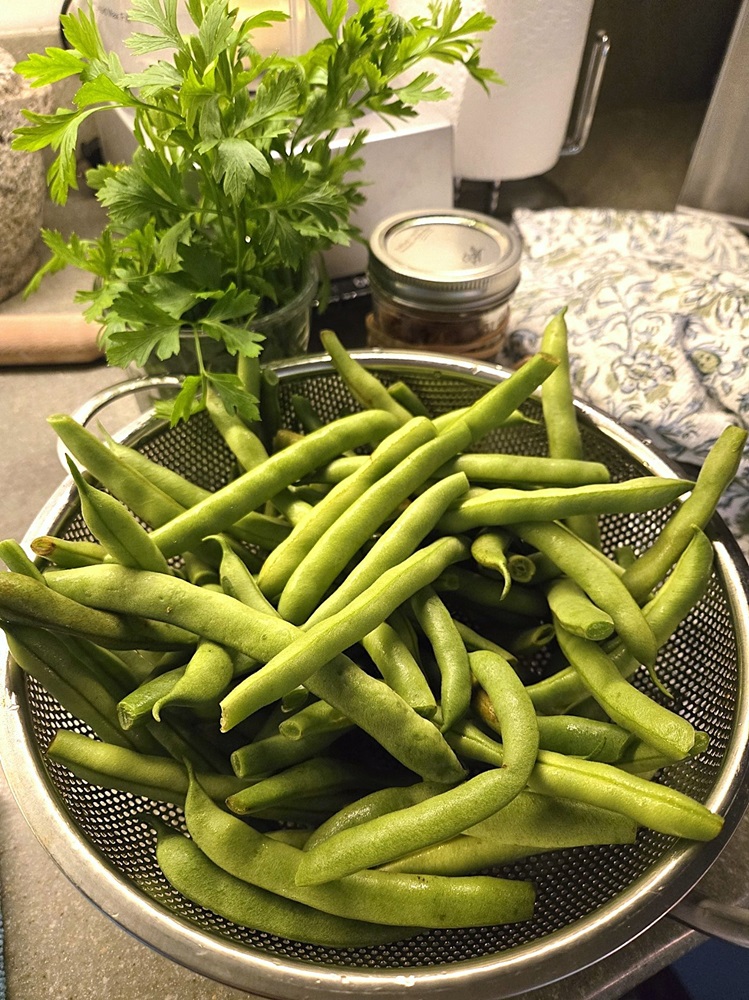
22	183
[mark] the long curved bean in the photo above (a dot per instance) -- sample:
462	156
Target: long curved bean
632	709
448	813
507	506
560	417
365	387
719	468
283	561
682	590
606	590
246	493
116	766
368	702
380	897
396	543
197	878
115	528
29	602
318	645
449	651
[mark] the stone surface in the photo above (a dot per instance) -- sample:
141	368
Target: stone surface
22	183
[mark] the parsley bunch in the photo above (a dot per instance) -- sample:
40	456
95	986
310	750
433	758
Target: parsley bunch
233	187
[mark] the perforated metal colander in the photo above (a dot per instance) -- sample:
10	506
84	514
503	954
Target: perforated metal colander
590	901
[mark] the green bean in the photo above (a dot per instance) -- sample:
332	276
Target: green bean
531	639
283	561
221	509
146	500
77	692
322	642
570	734
509	506
115	528
205	679
244	444
514	833
489	549
575	611
273	753
648	803
369	703
579	737
114	766
380	897
365	387
403	393
626	705
182	490
606	590
448	813
306	413
475	641
378	803
317	717
560	417
718	470
237	581
17	561
497	468
458	856
349	532
498	404
397	542
449	651
376	709
487	592
29	602
522	569
136	707
321	775
549	822
393	658
640	758
66	554
681	591
197	878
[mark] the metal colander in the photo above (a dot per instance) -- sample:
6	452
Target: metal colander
590	901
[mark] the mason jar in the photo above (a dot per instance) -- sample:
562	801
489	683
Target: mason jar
442	281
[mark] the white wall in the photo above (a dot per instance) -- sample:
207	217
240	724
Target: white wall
21	16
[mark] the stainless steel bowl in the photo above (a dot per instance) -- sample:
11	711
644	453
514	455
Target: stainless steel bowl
591	901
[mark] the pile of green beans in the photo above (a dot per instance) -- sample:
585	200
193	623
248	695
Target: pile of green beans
328	663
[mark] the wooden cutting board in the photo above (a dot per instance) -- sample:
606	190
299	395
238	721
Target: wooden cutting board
60	338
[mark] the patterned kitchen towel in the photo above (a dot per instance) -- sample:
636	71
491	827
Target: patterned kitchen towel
658	318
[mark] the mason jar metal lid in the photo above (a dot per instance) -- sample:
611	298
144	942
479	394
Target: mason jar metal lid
445	259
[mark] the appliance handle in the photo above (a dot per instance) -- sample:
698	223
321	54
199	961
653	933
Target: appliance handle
591	89
725	921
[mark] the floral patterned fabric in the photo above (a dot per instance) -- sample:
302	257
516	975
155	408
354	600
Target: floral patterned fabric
658	320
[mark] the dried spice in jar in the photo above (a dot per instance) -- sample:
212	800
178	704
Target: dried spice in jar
442	281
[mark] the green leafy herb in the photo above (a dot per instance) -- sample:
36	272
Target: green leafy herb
233	188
